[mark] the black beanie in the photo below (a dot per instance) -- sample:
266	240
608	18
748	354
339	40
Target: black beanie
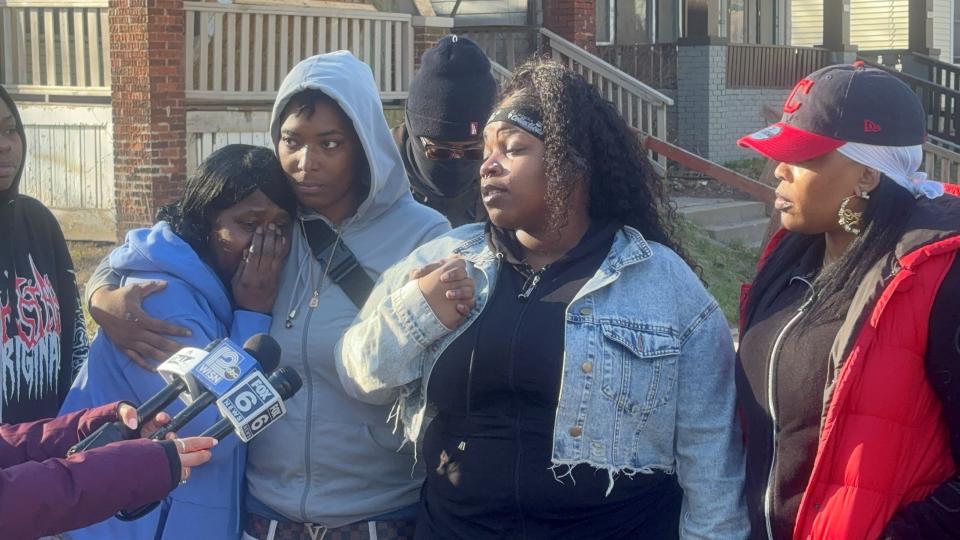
452	93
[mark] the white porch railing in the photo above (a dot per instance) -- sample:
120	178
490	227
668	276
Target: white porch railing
500	73
241	52
941	161
643	108
640	105
55	47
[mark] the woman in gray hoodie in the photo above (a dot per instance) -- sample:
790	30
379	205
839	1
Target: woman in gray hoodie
331	466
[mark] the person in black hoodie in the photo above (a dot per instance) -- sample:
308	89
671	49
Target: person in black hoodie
43	340
441	139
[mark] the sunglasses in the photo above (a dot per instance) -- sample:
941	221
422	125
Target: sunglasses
442	151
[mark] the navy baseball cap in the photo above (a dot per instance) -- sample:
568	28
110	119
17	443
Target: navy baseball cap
840	104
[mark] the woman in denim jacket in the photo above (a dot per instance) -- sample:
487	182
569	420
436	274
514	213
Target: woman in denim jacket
542	360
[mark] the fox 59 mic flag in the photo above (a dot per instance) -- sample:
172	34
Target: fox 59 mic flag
251	405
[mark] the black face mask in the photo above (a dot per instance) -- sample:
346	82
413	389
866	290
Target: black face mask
447	178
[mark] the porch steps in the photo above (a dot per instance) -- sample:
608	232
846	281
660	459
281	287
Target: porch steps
726	220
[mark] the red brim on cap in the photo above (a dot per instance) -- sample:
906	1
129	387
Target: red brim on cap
783	142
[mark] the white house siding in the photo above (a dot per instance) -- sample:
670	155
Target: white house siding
806	23
879	24
943	28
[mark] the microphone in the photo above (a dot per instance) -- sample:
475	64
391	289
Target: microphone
111	432
248	408
261	347
254	404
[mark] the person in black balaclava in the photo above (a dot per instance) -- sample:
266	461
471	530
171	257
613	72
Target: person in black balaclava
43	340
451	96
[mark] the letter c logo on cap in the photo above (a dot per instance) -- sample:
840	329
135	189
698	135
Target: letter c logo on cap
791	106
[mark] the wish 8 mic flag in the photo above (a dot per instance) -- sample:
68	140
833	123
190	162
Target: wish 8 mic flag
219	367
224	366
251	405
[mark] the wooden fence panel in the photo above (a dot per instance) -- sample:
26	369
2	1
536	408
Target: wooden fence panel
280	36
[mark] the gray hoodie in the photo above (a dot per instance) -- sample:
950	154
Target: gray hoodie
333	460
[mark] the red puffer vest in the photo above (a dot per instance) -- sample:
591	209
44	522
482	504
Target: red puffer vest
883	443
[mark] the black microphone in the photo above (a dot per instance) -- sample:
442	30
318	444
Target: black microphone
261	347
163	398
117	431
286	381
251	414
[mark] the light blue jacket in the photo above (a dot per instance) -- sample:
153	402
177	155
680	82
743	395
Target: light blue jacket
648	376
332	460
208	505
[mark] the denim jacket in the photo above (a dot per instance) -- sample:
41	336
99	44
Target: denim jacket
648	375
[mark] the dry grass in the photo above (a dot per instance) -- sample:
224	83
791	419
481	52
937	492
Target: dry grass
724	267
86	256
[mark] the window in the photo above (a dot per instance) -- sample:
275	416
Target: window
736	15
606	14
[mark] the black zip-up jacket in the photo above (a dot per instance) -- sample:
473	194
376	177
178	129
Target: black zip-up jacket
43	340
778	473
496	390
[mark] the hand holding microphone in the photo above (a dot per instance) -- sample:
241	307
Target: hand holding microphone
198	377
193	451
247	399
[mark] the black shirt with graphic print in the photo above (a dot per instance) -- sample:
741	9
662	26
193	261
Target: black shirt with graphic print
43	339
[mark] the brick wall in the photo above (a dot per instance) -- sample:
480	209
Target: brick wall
149	118
711	117
742	113
423	39
574	20
697	84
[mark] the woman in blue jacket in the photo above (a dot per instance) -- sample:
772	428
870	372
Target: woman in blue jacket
561	368
220	250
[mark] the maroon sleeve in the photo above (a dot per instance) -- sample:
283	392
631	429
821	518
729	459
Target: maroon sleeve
57	495
44	439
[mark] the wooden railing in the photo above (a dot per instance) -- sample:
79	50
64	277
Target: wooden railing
941	104
55	48
688	160
241	52
941	73
941	160
508	46
641	106
652	64
891	58
771	66
500	73
918	65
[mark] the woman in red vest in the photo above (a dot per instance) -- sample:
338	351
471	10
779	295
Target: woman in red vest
849	364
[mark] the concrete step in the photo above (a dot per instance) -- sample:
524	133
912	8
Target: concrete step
749	233
723	213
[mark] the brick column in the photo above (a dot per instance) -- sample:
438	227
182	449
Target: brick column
574	20
427	31
701	85
149	118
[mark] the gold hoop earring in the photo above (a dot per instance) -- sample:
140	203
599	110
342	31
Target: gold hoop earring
850	219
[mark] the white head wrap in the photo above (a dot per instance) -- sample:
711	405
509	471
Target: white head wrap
900	163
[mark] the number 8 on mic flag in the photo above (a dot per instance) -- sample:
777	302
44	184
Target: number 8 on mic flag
251	405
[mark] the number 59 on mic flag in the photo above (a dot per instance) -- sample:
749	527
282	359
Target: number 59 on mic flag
251	405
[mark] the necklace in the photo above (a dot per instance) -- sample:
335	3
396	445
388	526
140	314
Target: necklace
317	286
